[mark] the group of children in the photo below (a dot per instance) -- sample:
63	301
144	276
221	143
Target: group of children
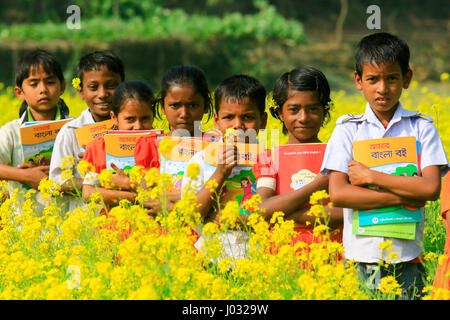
302	103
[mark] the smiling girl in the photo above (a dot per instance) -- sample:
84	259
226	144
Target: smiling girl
302	104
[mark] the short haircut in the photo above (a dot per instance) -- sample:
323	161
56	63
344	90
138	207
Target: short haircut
301	79
381	48
94	60
135	90
238	87
34	60
186	74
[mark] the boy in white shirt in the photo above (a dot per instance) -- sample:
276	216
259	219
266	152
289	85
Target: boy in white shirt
39	83
382	71
100	72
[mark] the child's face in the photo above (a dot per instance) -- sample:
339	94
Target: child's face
303	115
382	87
183	105
134	115
41	91
239	114
98	89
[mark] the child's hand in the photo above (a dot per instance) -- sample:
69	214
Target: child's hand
359	174
34	175
154	206
81	154
120	179
413	203
228	159
27	165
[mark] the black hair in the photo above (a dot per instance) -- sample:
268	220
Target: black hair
380	48
301	79
239	87
186	74
33	60
94	60
134	89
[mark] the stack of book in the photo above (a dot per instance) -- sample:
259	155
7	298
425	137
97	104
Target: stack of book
398	156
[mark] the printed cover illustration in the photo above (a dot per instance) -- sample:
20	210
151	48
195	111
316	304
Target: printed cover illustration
38	139
297	164
119	147
174	161
240	185
397	156
89	132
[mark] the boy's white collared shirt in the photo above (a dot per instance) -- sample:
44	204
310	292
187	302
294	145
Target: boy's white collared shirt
339	153
66	144
11	154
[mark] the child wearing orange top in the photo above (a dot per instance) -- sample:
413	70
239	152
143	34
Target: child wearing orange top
302	104
442	277
133	108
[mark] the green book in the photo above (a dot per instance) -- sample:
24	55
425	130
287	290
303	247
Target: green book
392	230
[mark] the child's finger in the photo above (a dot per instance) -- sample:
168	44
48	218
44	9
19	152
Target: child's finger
116	169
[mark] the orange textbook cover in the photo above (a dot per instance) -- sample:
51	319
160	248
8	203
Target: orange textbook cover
119	148
396	156
297	164
89	132
175	158
38	139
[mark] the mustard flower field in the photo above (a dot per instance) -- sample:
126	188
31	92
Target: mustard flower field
84	254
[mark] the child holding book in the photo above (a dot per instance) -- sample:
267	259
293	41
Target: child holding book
240	105
382	72
133	108
39	83
302	103
99	72
184	99
441	281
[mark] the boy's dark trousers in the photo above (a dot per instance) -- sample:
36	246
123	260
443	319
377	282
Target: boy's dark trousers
408	275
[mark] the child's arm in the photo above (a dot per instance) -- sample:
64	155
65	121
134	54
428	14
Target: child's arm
292	201
346	195
31	176
110	197
301	216
425	187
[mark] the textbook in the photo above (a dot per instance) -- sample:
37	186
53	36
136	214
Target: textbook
119	147
397	156
38	139
240	186
392	230
297	164
89	132
174	160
